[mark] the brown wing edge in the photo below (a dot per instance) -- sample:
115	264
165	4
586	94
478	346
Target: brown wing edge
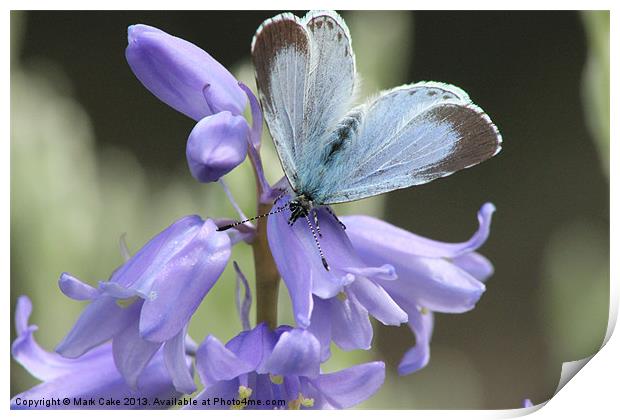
480	138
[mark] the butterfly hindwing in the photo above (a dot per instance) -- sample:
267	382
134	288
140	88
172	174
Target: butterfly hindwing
408	136
305	72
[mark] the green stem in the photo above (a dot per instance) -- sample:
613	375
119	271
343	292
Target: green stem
267	276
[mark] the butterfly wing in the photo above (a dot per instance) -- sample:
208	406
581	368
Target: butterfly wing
407	136
281	55
305	72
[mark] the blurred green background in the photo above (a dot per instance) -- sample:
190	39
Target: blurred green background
95	155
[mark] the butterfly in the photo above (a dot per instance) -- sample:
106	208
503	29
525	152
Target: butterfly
333	152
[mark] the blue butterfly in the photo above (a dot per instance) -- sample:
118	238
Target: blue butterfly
332	152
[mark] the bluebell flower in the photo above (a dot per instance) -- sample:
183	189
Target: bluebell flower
149	300
433	276
265	369
377	269
91	376
335	304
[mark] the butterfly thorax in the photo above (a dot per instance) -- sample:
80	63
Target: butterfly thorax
300	206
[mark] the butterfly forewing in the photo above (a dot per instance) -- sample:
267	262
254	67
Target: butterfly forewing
305	72
281	55
408	136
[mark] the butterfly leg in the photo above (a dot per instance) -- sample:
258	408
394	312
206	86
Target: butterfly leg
318	244
342	225
315	214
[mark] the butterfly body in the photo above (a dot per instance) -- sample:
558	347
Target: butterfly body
299	206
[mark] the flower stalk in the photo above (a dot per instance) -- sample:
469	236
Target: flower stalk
266	274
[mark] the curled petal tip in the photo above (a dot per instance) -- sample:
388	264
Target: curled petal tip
389	272
22	314
385	272
76	289
487	209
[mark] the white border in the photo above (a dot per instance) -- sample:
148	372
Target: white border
308	5
593	393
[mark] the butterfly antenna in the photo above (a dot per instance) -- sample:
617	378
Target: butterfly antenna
232	225
318	244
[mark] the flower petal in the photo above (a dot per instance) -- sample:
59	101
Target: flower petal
266	193
243	303
351	328
132	353
118	291
308	390
99	379
217	145
475	264
377	302
139	272
385	272
418	356
297	352
351	386
293	267
435	284
93	375
42	364
182	75
99	322
183	282
215	362
253	346
23	310
368	233
297	257
257	126
75	288
321	326
327	287
176	363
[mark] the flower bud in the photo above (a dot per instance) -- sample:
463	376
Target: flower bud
217	145
181	74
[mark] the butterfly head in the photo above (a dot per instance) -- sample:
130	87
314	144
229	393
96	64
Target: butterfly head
300	206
